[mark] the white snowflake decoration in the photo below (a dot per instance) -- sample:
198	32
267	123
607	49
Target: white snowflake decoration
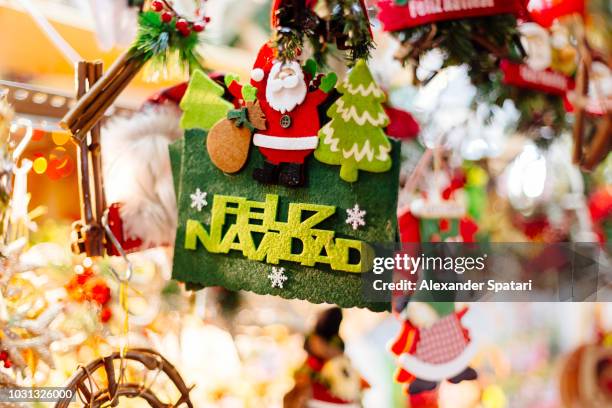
198	199
355	217
277	277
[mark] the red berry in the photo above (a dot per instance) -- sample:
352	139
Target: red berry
185	32
157	5
181	24
198	26
7	363
100	293
3	355
207	19
105	314
166	16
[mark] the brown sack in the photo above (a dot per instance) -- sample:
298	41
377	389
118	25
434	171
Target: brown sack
228	144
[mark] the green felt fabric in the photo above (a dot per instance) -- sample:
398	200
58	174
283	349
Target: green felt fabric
176	151
354	138
203	104
375	193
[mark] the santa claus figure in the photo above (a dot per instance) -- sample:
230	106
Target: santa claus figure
433	346
285	94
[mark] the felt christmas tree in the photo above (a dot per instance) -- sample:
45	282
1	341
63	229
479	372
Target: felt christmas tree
354	138
203	104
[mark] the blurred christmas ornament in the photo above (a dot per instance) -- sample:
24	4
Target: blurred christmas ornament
141	192
536	42
528	179
432	346
600	209
327	378
86	286
25	315
564	53
586	377
402	124
478	34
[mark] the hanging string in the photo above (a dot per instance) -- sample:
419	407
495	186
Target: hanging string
123	299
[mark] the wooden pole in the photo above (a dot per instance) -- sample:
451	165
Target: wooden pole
82	155
94	74
88	233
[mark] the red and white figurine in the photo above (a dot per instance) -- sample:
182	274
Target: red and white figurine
292	119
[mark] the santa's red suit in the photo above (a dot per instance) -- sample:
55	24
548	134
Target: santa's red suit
290	136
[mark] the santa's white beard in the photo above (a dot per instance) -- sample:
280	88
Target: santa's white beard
284	95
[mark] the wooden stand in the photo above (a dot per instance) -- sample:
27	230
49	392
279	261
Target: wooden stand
88	234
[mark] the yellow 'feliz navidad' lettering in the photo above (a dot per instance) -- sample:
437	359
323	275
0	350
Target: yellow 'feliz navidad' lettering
278	239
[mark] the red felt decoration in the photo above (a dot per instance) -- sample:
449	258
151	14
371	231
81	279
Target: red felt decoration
600	207
468	229
545	12
116	225
172	94
409	227
297	126
402	124
419	12
547	80
427	399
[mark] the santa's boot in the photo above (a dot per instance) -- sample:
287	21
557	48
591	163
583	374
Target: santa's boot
418	386
268	174
292	175
468	374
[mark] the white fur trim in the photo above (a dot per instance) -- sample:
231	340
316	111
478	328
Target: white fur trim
438	372
136	167
286	143
257	74
323	404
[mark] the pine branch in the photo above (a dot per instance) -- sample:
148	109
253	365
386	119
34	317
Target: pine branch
478	42
348	27
349	24
158	41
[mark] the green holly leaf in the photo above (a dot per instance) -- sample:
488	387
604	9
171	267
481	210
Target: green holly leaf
203	104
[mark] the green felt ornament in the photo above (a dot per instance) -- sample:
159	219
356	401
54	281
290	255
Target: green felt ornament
203	104
354	138
245	229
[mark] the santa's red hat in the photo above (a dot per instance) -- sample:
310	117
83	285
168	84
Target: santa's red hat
263	63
